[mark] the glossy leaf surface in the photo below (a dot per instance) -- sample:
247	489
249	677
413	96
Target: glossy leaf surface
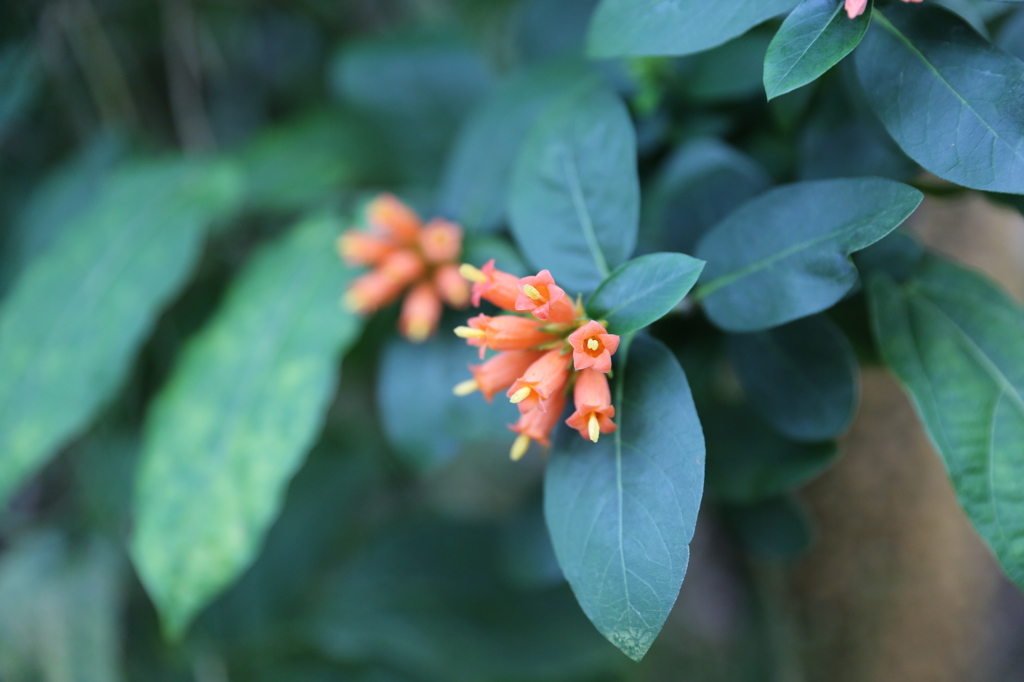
621	512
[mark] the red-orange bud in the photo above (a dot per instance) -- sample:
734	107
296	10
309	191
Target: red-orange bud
594	410
421	312
543	379
593	347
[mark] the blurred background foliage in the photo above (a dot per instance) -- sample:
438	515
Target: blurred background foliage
203	139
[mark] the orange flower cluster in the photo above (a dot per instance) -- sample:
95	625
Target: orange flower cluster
405	255
855	8
546	348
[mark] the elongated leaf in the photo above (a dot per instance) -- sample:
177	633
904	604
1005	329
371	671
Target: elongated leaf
813	38
236	419
748	462
784	255
575	197
20	80
800	377
954	340
953	101
674	27
622	512
643	290
71	324
476	180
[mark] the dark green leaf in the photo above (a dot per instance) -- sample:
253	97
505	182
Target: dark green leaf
785	255
236	419
954	340
674	27
575	198
813	38
622	512
727	73
476	180
423	420
748	462
643	290
953	101
800	377
20	80
71	324
777	529
1011	35
698	186
550	28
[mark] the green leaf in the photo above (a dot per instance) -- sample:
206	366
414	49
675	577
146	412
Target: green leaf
546	29
674	27
801	377
728	73
953	101
621	512
784	255
422	419
778	528
699	185
72	323
954	340
234	423
643	290
476	179
20	81
812	39
575	197
748	462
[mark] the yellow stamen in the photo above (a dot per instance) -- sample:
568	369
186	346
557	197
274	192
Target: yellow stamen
472	274
465	387
470	333
519	447
417	331
592	344
520	395
594	427
532	292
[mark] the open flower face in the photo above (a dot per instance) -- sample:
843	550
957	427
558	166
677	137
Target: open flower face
543	379
594	411
545	299
592	347
441	241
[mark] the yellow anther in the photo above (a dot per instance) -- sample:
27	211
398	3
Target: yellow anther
594	427
520	395
465	387
472	274
417	331
532	292
519	447
592	344
470	333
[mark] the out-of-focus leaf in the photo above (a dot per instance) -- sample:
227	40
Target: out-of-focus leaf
1011	35
777	529
552	28
812	39
304	161
424	421
60	617
429	599
20	79
727	73
478	249
748	462
236	419
953	101
476	179
71	324
785	254
954	340
621	512
527	558
417	89
897	255
575	198
800	377
674	27
698	186
643	290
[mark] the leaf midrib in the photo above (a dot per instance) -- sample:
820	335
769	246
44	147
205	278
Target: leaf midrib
803	53
572	180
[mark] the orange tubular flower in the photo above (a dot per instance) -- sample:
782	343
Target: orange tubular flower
536	425
491	284
498	373
542	380
546	300
392	218
593	347
504	332
855	8
421	312
452	287
372	291
362	248
594	411
441	241
404	267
